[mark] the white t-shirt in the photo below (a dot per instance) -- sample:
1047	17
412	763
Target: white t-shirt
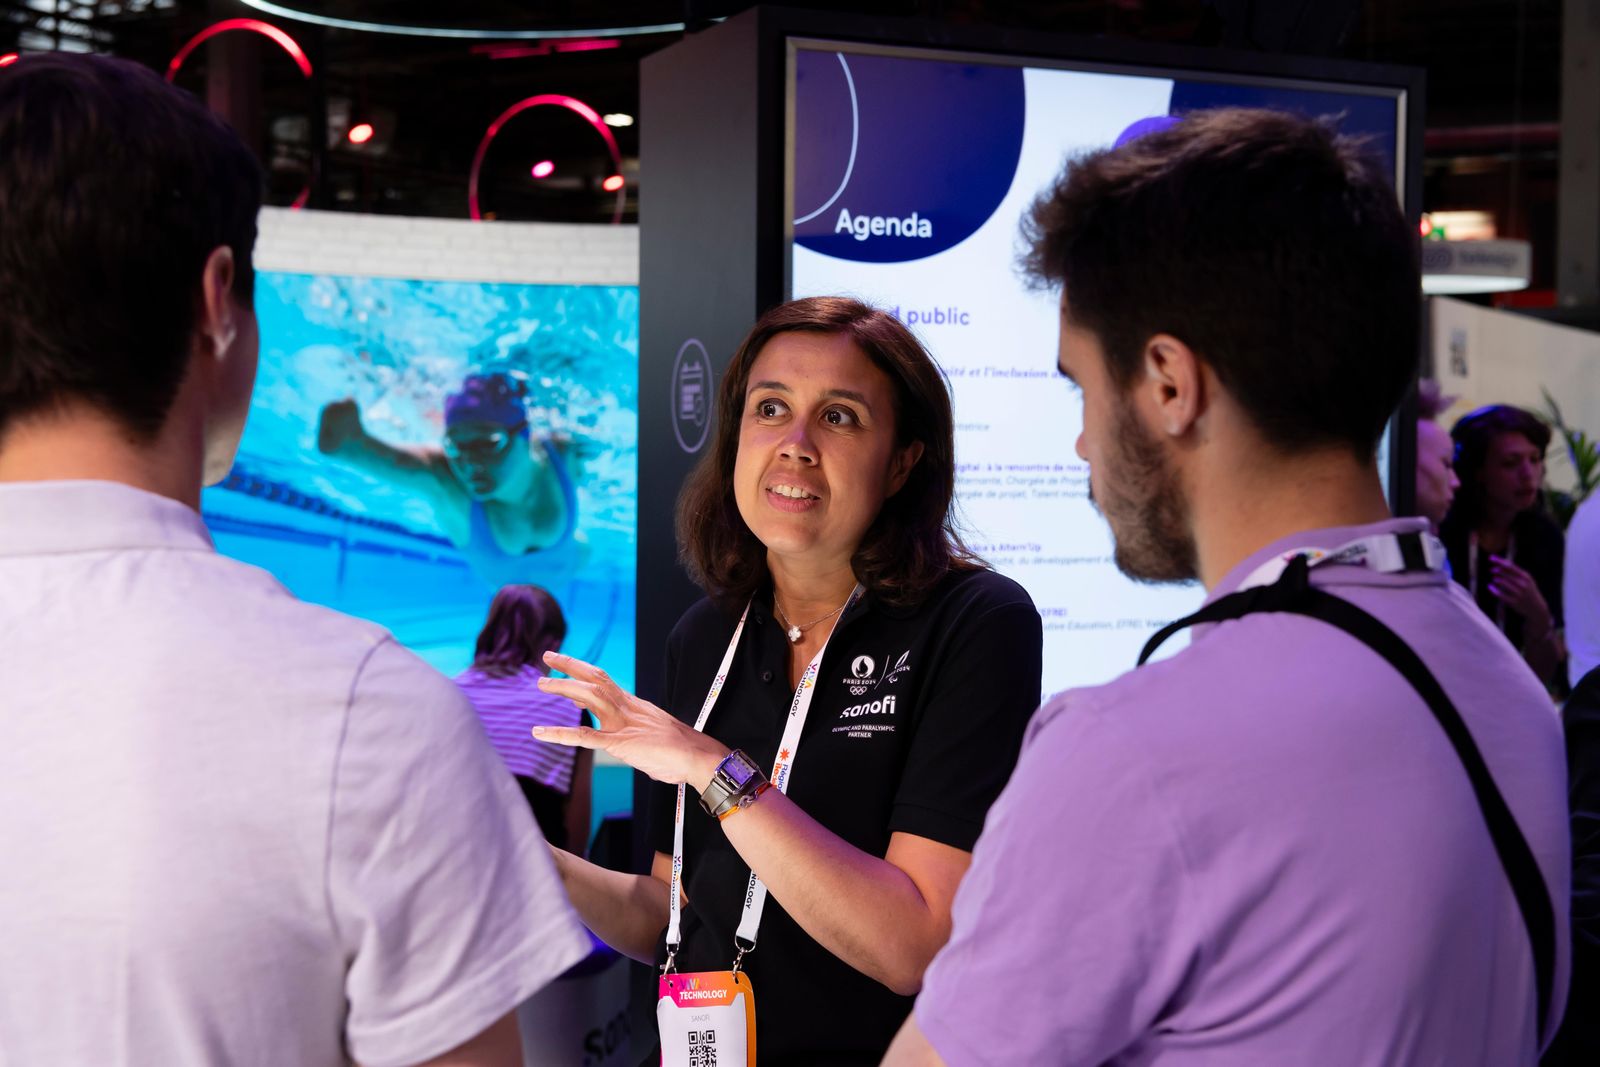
1580	590
236	828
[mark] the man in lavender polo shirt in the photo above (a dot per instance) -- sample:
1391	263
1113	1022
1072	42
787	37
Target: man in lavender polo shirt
1263	850
234	828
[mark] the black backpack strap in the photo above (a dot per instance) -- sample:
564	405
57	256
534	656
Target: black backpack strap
1293	593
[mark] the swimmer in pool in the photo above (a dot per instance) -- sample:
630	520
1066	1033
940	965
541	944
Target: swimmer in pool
503	495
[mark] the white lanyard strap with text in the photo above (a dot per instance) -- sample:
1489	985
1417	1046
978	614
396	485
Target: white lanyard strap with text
755	897
1381	553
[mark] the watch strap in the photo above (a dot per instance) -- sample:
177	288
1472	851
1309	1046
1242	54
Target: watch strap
723	792
744	800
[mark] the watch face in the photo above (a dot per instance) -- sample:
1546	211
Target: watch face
740	770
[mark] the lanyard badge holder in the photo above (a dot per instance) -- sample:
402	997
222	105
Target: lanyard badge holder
709	1017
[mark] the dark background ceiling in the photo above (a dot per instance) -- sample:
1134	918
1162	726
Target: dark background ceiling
1493	85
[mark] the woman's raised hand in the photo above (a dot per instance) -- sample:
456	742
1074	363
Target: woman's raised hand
635	731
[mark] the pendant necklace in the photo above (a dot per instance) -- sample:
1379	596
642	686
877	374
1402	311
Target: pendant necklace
793	632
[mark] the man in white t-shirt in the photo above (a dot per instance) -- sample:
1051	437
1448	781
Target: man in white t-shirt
1580	593
235	829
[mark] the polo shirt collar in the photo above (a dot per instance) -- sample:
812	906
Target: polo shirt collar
51	518
1330	538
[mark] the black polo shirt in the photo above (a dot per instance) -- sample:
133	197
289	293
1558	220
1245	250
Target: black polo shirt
916	723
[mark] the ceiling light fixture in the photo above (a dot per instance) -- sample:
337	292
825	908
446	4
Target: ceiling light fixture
617	118
458	34
613	183
576	106
267	30
543	169
361	133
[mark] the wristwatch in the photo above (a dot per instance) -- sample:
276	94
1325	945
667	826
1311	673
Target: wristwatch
736	782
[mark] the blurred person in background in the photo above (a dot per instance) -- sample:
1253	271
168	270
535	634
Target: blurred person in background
1503	547
524	623
1580	590
1436	456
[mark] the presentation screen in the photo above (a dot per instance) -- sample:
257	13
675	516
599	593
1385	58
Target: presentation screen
908	174
414	445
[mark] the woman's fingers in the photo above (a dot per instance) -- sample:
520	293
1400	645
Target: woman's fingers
575	668
586	696
602	687
571	736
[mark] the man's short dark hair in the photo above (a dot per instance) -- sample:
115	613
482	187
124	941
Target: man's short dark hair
1276	249
115	187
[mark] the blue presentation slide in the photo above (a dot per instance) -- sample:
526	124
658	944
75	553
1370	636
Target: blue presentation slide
910	176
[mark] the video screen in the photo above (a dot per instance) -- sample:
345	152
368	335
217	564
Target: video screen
909	173
414	445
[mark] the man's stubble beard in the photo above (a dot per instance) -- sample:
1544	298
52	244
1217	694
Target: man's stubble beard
1145	507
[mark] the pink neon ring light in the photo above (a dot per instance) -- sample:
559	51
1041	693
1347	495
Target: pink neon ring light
265	29
542	100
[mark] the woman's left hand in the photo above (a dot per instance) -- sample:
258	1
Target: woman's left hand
635	731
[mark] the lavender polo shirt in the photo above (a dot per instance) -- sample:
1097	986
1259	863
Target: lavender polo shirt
1263	851
236	828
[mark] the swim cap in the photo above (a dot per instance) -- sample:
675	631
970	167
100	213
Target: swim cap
493	398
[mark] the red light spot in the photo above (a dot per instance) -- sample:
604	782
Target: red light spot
588	44
8	59
361	133
1427	226
543	169
612	184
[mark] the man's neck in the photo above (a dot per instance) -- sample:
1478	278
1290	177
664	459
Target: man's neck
78	442
1247	507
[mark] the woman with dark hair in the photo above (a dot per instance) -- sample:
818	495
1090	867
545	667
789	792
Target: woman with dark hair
851	647
1502	545
524	623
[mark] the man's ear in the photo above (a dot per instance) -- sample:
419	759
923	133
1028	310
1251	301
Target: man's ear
217	311
1174	386
901	464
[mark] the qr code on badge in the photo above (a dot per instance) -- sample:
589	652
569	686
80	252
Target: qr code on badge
702	1048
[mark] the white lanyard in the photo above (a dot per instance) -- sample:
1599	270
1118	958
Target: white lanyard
755	897
1472	573
1380	552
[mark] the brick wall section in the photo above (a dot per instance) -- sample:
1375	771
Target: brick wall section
392	246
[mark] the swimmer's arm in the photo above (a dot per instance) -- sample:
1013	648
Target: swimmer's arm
341	434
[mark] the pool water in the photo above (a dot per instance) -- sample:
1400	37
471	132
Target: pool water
337	536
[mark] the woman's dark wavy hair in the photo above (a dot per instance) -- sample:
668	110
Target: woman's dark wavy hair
524	623
912	544
1473	433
